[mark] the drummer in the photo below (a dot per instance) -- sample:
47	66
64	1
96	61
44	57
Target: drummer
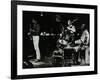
71	30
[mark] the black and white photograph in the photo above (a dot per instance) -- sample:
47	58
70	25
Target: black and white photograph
53	39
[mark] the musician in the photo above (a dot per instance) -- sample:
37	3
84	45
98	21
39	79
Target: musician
83	45
34	31
68	32
67	39
70	27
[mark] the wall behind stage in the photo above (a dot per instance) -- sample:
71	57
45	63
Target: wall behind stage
5	40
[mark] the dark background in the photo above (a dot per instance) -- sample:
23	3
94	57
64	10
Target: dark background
48	24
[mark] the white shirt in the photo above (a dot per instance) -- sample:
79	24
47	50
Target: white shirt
85	37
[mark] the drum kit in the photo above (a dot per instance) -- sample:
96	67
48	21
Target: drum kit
63	43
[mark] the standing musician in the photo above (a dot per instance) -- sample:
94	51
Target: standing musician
83	45
34	32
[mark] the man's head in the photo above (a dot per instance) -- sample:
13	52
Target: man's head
83	26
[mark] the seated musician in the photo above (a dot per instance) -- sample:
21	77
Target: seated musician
83	45
69	35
